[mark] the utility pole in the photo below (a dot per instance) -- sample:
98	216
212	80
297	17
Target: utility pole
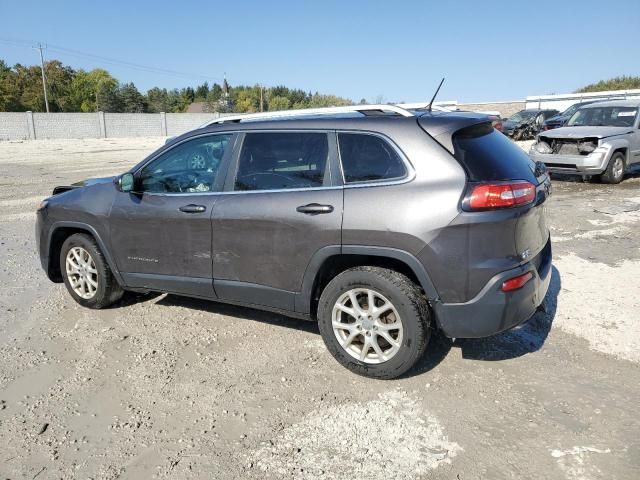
44	82
261	99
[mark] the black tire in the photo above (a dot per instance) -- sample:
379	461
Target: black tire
409	302
612	174
108	290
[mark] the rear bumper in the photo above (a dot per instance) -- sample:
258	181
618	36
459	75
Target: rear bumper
492	310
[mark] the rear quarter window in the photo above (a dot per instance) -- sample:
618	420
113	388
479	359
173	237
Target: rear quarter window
369	158
488	155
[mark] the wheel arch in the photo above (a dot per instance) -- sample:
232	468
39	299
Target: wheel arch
624	150
59	232
332	260
619	145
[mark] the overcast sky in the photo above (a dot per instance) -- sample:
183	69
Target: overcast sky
397	50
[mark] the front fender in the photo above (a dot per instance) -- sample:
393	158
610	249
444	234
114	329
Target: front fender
615	144
83	227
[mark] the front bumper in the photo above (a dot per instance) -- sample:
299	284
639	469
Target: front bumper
592	164
492	310
42	244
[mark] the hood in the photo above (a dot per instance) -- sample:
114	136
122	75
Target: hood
581	132
84	183
93	181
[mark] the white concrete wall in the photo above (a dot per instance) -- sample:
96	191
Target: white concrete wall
32	126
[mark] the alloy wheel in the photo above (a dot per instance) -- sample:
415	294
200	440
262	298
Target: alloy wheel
82	272
618	168
367	325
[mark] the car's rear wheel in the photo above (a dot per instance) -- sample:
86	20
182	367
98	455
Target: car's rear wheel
86	274
374	321
615	169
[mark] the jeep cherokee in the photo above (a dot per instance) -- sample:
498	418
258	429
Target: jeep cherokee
379	223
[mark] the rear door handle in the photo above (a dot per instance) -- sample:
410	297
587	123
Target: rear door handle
314	209
191	208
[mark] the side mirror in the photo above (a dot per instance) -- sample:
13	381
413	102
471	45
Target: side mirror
126	182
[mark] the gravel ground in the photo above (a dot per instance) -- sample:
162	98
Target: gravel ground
169	387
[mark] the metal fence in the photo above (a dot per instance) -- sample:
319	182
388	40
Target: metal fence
32	126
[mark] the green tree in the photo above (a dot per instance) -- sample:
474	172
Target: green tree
318	101
617	83
9	89
131	99
59	80
156	100
279	103
202	92
29	84
108	98
87	87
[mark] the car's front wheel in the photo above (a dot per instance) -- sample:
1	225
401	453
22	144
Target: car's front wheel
86	273
374	321
615	169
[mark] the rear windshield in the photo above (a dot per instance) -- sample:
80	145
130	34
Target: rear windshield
488	155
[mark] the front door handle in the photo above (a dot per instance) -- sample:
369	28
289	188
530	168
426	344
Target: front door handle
314	209
191	208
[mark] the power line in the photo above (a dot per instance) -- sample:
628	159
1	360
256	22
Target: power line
112	61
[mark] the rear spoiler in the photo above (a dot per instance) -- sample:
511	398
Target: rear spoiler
442	126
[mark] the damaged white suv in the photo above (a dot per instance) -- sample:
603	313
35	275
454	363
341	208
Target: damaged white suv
600	139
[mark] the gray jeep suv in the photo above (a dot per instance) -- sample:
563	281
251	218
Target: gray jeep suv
381	224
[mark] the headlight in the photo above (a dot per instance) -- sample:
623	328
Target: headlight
541	147
43	204
598	154
586	148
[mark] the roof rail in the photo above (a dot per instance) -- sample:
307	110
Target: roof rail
311	111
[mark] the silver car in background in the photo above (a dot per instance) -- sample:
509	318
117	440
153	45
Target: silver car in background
600	139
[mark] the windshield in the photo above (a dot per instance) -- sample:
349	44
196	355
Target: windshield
523	115
571	110
604	117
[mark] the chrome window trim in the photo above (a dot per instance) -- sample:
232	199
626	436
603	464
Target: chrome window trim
410	175
243	192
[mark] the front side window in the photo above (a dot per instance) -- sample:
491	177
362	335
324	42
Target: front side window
190	167
368	158
274	161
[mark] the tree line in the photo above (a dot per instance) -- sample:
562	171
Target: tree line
71	90
624	82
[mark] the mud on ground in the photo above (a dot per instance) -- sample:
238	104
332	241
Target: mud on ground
168	387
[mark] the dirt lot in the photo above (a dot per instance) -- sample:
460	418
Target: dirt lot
167	387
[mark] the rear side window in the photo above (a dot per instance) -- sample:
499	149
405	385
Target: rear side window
369	158
488	155
273	161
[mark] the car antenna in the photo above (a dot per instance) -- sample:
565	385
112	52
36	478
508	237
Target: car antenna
435	94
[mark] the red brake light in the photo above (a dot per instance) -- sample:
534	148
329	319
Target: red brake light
491	196
516	282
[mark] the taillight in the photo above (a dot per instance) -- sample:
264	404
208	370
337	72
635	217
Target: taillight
516	282
490	196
